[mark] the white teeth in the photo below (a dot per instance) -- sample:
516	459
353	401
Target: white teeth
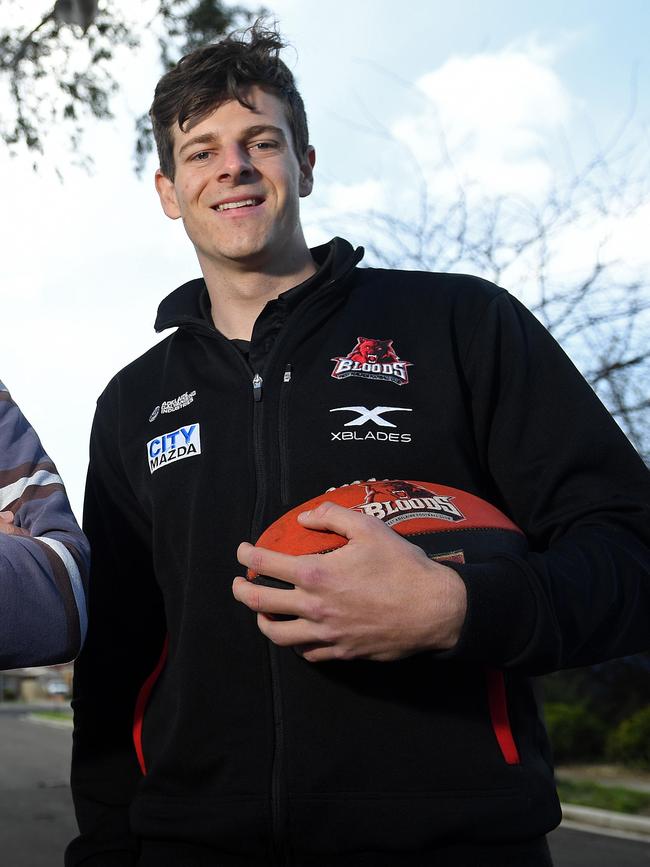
226	206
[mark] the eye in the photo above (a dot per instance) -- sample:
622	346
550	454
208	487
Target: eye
266	145
201	157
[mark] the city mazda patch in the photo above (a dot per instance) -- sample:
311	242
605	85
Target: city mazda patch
184	442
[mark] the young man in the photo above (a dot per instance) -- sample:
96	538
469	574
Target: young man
207	732
44	556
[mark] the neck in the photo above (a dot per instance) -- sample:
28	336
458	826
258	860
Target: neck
239	296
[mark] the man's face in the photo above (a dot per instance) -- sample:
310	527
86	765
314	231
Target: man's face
237	185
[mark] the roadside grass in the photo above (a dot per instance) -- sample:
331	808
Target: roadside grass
58	715
615	798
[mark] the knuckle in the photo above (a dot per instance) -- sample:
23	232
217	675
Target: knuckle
310	573
256	560
323	509
255	600
316	611
330	634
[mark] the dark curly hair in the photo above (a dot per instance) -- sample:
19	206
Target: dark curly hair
217	73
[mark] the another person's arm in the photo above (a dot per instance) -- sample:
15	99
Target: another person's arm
44	556
126	632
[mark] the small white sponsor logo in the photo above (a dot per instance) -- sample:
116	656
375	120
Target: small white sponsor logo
375	415
178	402
174	446
155	413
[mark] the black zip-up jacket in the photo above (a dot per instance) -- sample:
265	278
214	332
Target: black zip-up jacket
195	735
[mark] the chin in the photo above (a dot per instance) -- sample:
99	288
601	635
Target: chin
245	252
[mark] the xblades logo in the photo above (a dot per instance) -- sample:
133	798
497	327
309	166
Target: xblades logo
366	415
374	415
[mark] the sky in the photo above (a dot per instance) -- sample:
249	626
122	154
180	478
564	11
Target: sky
517	92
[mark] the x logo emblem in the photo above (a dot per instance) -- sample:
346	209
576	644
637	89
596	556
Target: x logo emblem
366	414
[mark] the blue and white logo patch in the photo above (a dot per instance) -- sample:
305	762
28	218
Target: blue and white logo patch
174	446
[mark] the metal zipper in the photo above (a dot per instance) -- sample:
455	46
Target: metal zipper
283	436
277	811
257	387
258	453
278	817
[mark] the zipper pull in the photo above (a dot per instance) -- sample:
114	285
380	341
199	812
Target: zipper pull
257	387
287	374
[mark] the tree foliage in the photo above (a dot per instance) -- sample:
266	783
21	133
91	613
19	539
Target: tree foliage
630	742
613	691
575	733
59	64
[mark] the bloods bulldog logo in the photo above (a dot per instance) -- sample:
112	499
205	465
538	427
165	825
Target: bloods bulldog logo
372	359
394	501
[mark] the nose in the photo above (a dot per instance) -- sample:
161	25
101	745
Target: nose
235	163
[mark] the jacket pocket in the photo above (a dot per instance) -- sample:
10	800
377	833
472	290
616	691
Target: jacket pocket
498	704
141	705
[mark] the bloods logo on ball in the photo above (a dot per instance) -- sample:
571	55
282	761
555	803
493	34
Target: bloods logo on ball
397	501
174	446
372	359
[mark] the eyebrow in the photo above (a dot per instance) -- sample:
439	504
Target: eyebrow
249	132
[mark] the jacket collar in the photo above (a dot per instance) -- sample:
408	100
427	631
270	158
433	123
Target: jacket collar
186	305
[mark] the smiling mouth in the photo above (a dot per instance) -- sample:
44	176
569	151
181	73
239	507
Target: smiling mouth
246	203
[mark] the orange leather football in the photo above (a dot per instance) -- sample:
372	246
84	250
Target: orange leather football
447	523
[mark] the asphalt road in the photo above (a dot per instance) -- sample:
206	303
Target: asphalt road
36	819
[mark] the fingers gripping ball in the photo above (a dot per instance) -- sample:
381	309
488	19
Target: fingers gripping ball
450	525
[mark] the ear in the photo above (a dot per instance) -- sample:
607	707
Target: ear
167	195
306	184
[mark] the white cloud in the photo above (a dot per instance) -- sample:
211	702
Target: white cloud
488	118
618	240
364	196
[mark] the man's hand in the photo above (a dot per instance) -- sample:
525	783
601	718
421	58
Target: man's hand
379	597
7	525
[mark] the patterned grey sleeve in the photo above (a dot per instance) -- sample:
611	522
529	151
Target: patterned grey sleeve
43	576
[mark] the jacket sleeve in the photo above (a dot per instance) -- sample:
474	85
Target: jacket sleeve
126	632
43	576
560	467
